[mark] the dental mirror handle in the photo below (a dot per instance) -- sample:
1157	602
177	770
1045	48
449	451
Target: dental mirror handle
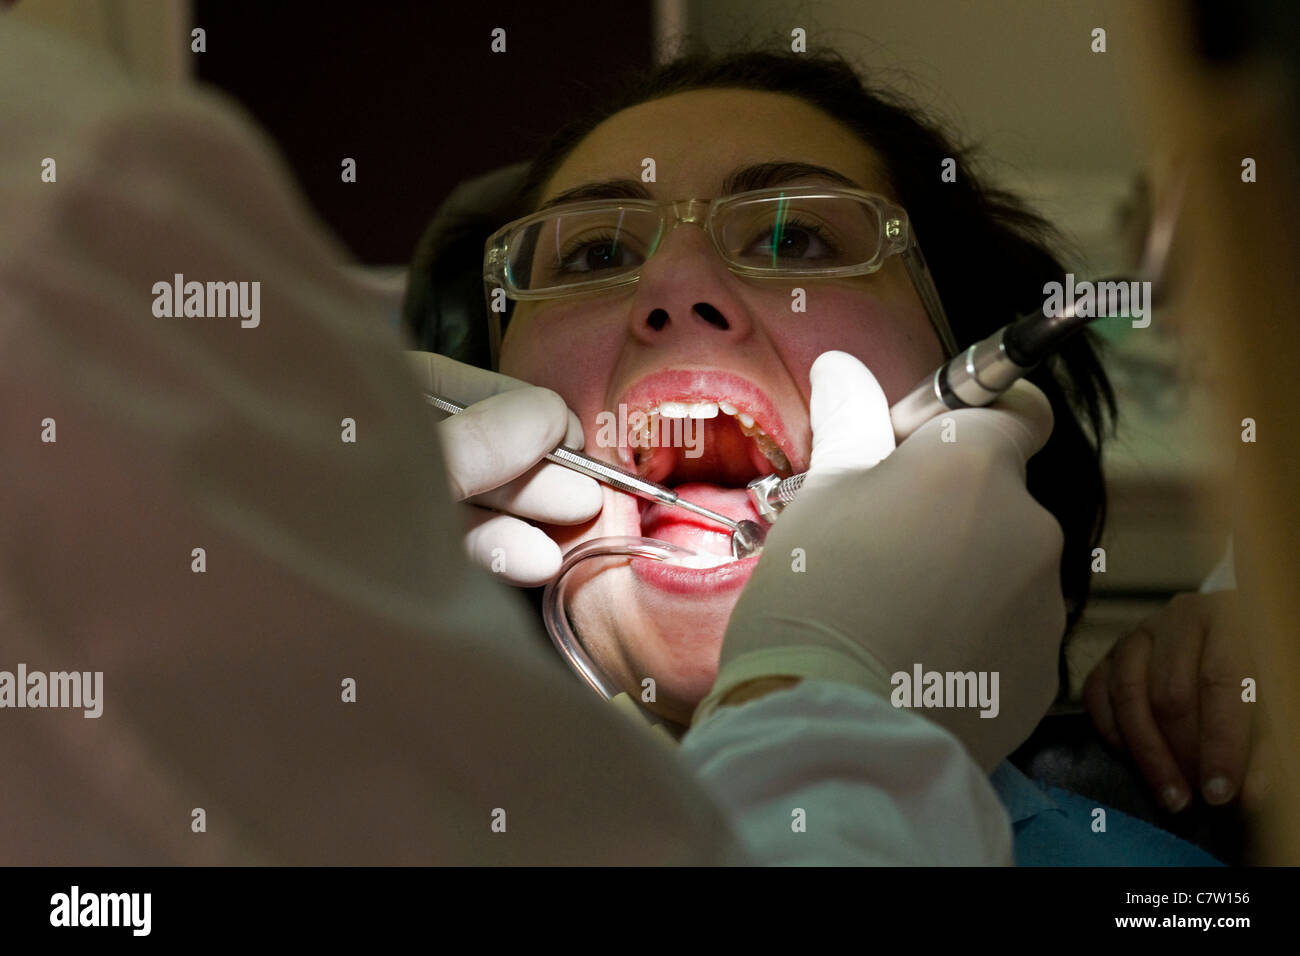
584	464
747	537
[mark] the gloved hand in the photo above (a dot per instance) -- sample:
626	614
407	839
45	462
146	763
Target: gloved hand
936	556
492	450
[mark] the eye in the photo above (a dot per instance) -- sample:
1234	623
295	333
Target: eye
597	253
791	239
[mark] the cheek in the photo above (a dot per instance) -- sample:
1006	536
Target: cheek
569	350
892	338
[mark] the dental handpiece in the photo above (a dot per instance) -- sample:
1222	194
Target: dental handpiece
746	536
971	379
977	376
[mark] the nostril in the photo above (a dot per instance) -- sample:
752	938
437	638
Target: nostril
657	320
711	315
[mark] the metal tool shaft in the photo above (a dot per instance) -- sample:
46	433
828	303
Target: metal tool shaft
606	473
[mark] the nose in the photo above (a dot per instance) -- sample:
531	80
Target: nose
686	292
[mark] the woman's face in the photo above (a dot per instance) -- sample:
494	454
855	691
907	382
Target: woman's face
690	331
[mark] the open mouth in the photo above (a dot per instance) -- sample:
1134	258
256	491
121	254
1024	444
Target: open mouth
706	434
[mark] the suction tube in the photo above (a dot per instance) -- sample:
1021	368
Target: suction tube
556	619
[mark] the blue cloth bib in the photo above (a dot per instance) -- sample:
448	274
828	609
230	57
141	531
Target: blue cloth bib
1053	827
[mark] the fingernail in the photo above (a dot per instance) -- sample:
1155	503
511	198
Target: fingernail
1217	790
1174	797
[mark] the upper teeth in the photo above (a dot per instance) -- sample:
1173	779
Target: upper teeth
765	443
688	410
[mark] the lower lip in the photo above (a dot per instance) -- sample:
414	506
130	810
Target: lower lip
696	533
676	579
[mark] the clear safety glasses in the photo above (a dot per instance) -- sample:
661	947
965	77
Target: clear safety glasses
791	232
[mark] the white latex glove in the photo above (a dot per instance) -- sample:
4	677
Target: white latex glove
937	555
492	450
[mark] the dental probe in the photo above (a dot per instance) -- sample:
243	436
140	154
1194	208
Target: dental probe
746	536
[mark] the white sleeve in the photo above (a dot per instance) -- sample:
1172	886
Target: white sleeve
826	772
326	679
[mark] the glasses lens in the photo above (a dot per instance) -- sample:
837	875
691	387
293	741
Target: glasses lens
791	234
575	248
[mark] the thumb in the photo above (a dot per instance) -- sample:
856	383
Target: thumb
466	384
496	440
849	414
1018	424
469	384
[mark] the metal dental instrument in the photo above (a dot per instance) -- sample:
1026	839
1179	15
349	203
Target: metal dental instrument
988	368
746	536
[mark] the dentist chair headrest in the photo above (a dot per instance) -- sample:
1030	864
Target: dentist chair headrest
444	310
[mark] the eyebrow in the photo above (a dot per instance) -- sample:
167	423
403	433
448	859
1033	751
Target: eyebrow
744	179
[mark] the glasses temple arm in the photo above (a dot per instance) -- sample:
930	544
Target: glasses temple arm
920	276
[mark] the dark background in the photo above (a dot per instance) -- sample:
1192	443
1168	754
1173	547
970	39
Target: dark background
413	93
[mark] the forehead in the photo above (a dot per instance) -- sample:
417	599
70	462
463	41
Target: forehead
698	137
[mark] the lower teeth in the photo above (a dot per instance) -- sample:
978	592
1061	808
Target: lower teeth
700	560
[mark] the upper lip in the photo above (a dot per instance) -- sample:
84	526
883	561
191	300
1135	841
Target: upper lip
711	385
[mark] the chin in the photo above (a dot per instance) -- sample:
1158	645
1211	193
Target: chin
673	638
683	659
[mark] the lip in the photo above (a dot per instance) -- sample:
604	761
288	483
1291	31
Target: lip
687	530
693	581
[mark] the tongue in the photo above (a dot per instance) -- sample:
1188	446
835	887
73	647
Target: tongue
689	530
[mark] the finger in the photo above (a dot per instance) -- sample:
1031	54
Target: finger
1022	416
498	439
1096	698
549	494
573	437
1016	426
849	415
1129	696
512	549
1257	787
1225	717
469	384
463	383
1173	676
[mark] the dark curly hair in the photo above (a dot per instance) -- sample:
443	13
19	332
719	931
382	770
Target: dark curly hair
989	254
